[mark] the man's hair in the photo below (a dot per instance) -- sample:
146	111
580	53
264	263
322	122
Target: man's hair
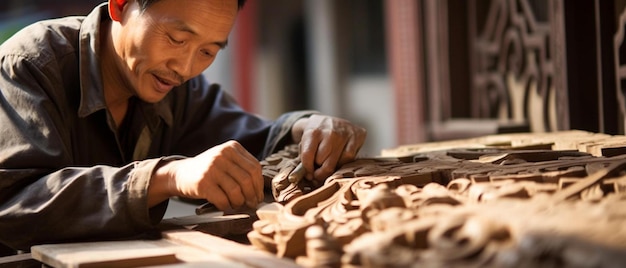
144	4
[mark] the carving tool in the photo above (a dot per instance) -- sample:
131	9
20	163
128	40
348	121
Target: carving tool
205	208
297	174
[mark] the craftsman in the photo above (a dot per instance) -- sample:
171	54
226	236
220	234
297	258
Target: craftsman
103	118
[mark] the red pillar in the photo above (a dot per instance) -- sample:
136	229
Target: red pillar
244	55
404	46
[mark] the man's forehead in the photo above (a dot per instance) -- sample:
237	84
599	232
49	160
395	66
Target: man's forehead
194	15
216	5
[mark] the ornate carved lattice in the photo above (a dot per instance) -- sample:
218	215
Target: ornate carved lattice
513	65
620	65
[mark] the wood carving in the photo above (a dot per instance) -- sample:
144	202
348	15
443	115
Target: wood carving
517	200
514	65
276	170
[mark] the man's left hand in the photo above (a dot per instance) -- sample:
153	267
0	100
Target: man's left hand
326	143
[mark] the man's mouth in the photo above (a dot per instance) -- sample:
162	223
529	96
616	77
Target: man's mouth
164	85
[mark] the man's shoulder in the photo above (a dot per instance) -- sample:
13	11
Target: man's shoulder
43	40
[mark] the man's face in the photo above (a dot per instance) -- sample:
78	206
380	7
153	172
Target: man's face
170	42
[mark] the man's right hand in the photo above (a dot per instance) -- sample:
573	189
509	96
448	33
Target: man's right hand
226	175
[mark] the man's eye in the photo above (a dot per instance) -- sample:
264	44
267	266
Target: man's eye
207	53
174	41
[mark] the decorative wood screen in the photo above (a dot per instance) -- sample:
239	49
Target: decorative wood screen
541	65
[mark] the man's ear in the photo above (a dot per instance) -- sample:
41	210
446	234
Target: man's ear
115	9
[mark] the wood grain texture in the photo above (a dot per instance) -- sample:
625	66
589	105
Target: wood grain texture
104	254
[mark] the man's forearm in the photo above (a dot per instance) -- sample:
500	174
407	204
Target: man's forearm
160	184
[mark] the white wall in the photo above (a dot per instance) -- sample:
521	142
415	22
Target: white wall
369	102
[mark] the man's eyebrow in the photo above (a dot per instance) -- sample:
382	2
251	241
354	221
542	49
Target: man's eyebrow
222	44
182	26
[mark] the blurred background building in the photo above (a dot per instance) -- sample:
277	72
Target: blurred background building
418	70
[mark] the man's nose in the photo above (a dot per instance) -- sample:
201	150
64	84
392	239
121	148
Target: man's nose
182	63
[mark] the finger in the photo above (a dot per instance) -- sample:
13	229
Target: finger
333	147
308	149
219	199
257	179
346	157
325	170
249	174
245	181
325	149
232	190
255	175
352	147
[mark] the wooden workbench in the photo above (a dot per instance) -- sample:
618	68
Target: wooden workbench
177	248
502	200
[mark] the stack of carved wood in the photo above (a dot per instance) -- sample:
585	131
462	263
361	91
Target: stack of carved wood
521	200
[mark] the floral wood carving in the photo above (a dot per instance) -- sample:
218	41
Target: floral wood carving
517	200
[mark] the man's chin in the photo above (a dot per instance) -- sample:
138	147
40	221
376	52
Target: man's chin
154	98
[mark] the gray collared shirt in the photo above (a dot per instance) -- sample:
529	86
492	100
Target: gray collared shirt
66	174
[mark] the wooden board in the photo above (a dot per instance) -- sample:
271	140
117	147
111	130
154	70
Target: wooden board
177	248
232	250
104	254
24	260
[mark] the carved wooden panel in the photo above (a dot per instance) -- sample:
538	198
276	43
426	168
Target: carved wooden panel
620	65
549	64
513	64
517	200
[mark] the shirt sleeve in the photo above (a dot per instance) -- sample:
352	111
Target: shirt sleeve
44	196
205	116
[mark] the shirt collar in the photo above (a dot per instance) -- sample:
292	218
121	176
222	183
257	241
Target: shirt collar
91	86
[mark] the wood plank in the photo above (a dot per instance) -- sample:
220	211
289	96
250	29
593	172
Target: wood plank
104	254
212	223
20	260
228	249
